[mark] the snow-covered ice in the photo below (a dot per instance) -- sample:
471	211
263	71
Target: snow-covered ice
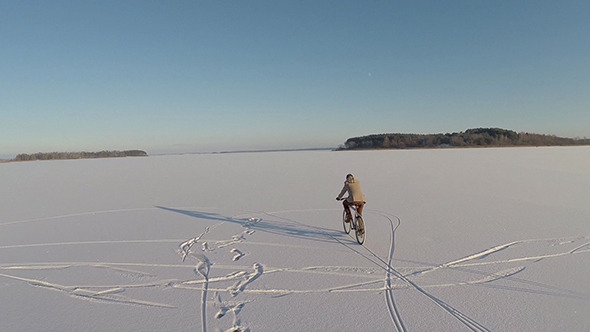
457	240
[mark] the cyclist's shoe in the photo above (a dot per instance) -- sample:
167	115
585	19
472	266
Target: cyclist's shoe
348	219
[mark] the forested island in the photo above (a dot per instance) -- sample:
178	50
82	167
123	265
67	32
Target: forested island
479	137
79	155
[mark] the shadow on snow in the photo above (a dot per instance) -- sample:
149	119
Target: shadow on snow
288	227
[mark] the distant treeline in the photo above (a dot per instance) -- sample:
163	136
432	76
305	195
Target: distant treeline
79	155
479	137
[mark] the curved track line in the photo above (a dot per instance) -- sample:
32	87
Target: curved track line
76	243
393	309
70	215
387	266
466	320
73	215
107	296
202	268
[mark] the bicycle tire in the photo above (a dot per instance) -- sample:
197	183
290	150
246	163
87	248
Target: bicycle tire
360	231
347	225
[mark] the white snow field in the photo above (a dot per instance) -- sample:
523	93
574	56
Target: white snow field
457	240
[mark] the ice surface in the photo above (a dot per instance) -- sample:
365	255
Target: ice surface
457	239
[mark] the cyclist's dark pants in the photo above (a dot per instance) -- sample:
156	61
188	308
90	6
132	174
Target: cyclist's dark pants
346	204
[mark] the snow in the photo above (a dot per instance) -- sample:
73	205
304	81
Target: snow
457	240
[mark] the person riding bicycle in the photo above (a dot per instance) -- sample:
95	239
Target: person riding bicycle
355	196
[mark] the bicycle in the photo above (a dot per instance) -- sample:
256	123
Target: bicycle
357	224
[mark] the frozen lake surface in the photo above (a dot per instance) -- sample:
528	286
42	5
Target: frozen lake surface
457	240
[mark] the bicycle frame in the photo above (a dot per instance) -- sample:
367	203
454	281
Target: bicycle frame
357	224
354	208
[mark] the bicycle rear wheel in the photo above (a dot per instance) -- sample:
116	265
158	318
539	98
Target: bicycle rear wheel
360	230
345	224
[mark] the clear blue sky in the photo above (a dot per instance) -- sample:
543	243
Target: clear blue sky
187	76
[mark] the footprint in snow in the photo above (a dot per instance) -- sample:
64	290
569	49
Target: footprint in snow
251	222
238	254
239	286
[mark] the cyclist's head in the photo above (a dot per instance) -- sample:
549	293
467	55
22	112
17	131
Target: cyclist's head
349	177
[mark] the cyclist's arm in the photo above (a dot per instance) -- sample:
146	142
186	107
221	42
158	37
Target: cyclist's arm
342	192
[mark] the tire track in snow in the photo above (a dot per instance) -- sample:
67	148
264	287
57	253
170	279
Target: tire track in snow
387	266
88	213
391	305
109	295
203	266
464	319
461	261
70	215
393	309
203	269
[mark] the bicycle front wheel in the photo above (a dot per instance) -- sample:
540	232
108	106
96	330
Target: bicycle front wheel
344	223
360	230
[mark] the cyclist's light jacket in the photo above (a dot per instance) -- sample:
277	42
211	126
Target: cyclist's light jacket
355	194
